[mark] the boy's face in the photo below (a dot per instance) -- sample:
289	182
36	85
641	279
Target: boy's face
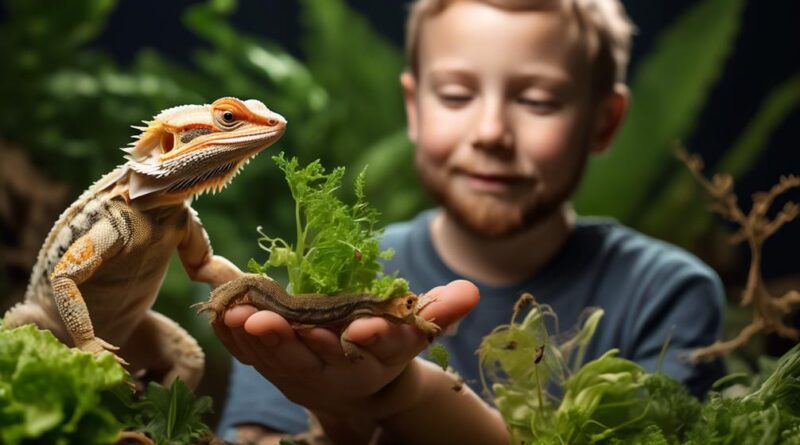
502	114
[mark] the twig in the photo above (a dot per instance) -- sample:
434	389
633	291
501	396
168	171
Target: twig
755	227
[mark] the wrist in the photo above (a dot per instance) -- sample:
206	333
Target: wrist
408	390
357	421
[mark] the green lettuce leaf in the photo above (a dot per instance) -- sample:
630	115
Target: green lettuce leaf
52	394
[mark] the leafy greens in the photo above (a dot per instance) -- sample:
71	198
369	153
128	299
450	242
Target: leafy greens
612	400
337	248
52	394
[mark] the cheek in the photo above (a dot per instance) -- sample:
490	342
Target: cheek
553	143
440	132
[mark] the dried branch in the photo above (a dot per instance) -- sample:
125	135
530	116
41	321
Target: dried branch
769	312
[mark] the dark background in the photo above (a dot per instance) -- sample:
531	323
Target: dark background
766	52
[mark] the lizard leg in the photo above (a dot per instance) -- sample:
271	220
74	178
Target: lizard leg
161	347
79	262
31	313
351	350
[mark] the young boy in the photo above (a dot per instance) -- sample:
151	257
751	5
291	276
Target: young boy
505	99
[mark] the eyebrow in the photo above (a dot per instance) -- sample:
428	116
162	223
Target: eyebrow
534	75
542	79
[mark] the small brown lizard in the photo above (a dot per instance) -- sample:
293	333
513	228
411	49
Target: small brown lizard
101	267
308	310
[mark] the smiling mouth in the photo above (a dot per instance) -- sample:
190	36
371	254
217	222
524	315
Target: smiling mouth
494	183
496	178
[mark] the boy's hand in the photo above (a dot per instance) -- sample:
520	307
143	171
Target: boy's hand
309	366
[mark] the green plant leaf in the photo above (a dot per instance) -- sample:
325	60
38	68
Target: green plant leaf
368	102
668	91
173	415
50	393
336	247
437	353
682	196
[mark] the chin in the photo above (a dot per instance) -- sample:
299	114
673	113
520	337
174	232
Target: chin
495	216
492	217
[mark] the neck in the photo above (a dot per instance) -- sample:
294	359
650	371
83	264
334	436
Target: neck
502	261
158	200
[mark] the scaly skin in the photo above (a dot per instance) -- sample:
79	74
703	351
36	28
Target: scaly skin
102	264
306	310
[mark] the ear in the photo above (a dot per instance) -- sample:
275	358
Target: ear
409	84
611	113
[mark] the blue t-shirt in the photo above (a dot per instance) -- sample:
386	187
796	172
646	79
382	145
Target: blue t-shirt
647	288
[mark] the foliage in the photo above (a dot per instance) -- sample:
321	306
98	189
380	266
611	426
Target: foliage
336	248
170	416
346	109
667	92
612	400
769	415
438	354
52	394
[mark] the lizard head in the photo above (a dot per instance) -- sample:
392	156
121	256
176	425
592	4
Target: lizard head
404	307
192	149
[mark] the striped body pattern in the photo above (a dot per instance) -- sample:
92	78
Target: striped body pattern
102	264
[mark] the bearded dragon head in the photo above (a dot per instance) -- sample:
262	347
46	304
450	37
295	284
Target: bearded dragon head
192	149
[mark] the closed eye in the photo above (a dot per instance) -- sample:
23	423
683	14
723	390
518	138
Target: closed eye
455	99
539	106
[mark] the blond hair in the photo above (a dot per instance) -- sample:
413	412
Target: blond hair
604	25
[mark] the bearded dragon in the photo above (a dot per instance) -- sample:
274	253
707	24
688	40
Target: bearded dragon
102	264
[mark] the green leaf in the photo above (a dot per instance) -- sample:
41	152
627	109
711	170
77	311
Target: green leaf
437	353
50	393
683	196
668	91
369	99
337	248
173	415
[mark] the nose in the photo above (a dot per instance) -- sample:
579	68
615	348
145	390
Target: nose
274	119
492	130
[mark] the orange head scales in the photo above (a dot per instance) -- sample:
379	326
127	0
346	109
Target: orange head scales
191	149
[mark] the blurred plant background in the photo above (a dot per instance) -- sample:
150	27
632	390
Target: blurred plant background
720	75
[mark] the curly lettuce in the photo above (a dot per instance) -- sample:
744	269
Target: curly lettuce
337	248
52	394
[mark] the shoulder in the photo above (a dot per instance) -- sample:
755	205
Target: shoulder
651	266
399	234
633	249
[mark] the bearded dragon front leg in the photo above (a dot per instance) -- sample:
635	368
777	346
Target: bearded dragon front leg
78	263
198	258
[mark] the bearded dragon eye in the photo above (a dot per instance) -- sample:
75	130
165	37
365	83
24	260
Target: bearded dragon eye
227	116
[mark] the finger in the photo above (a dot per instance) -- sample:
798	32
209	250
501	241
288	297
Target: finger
392	344
233	320
325	344
249	349
237	315
450	303
266	322
288	355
